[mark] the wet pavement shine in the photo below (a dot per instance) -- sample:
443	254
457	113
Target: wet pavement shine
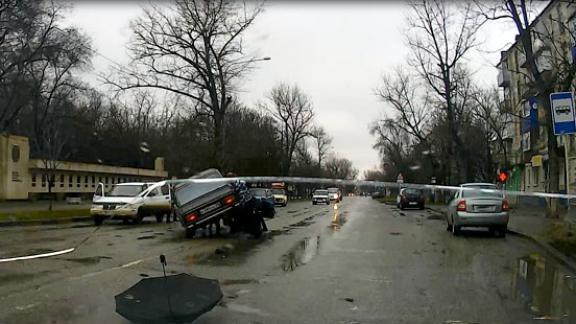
364	262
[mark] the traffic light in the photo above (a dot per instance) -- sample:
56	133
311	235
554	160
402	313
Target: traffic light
502	176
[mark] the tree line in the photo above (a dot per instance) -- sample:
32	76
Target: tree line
177	98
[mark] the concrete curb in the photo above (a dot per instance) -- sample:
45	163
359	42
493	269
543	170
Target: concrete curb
50	221
565	260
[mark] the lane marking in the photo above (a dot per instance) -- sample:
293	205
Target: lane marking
36	256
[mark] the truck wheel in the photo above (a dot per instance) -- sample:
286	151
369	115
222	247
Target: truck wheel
138	218
98	220
159	218
190	232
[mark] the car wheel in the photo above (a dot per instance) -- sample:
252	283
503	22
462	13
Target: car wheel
455	229
159	218
421	207
499	231
98	220
190	232
125	221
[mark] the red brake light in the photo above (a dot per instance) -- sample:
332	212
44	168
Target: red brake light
191	217
229	200
505	205
461	205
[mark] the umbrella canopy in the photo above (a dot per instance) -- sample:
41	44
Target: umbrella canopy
172	299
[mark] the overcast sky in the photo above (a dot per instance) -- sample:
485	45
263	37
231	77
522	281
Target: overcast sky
335	51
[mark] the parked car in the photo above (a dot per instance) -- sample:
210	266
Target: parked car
377	195
265	200
201	203
131	201
320	196
478	205
280	197
410	198
335	194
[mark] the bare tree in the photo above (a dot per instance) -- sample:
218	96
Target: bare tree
441	35
193	49
340	168
52	152
30	40
322	143
292	109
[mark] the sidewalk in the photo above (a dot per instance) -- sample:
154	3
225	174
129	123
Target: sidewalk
40	205
551	234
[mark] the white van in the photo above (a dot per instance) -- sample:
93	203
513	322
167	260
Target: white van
131	201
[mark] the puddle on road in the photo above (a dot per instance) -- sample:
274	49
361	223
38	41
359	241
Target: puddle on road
301	253
147	237
88	260
545	290
232	282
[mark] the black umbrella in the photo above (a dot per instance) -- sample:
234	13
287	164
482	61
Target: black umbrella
169	299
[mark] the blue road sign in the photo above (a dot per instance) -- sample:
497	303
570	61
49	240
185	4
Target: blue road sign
562	105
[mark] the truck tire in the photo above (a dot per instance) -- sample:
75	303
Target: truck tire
256	229
159	218
98	220
138	218
190	232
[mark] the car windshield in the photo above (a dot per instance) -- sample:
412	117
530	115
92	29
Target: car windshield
321	192
277	191
258	192
481	191
125	190
410	191
332	190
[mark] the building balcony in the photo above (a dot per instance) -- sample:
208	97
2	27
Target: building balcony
503	78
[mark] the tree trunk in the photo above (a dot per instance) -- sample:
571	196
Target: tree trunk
553	156
218	155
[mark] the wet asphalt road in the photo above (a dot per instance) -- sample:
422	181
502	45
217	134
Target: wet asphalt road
367	263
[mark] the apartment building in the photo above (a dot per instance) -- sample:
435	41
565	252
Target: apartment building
554	45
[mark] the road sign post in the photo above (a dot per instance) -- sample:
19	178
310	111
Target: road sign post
562	106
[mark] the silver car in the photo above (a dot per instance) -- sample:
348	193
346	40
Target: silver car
478	205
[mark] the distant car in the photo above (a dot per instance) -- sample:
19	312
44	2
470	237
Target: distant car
280	197
410	198
335	194
377	195
265	200
320	196
478	205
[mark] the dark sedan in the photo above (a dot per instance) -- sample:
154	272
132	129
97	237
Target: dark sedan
265	201
410	198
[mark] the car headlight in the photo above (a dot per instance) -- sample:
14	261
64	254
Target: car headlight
97	206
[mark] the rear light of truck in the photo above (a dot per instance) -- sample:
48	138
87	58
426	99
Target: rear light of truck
505	205
229	200
191	217
461	205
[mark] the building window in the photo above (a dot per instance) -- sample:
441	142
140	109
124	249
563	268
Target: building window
93	181
106	180
85	181
43	180
70	180
61	181
33	179
536	174
15	153
78	181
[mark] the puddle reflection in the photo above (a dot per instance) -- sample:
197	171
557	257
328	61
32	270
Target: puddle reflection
545	290
301	253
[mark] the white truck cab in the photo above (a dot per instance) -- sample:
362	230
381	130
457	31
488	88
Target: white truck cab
131	201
